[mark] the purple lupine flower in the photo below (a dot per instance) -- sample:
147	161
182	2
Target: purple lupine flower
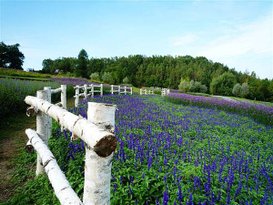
165	197
190	202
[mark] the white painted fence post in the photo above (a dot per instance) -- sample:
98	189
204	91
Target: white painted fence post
101	89
92	90
42	127
119	89
77	92
63	96
85	91
112	89
131	91
98	169
125	90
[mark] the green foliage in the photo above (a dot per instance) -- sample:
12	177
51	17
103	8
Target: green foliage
237	90
126	80
240	91
81	68
13	92
223	84
244	90
107	77
184	85
197	87
164	71
11	56
95	77
22	74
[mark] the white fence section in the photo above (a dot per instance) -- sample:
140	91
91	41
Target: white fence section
98	134
143	91
121	89
93	89
165	91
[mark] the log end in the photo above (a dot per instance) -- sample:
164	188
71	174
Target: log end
29	148
106	146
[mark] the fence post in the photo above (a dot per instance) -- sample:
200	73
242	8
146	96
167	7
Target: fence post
49	119
119	89
112	89
92	90
125	90
43	128
85	91
63	96
77	92
101	89
98	169
131	90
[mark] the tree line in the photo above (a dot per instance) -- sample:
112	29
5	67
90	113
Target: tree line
164	71
186	73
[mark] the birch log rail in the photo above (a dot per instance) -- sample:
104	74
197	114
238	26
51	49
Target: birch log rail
61	186
91	134
100	143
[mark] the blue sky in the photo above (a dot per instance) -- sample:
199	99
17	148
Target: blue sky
238	34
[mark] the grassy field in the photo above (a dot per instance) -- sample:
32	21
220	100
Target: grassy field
13	92
168	154
4	72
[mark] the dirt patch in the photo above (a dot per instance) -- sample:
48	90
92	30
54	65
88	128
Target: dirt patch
12	139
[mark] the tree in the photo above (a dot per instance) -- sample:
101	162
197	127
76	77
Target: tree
81	70
244	90
184	85
95	77
11	56
125	80
237	90
108	78
223	84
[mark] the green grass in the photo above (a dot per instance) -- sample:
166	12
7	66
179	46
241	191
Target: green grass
13	92
23	74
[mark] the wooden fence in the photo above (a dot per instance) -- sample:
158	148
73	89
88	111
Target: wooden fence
121	89
145	91
165	91
92	88
97	131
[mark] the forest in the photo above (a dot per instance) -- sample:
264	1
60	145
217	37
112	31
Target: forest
162	71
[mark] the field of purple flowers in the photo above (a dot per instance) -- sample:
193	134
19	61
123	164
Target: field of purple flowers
259	112
175	154
172	154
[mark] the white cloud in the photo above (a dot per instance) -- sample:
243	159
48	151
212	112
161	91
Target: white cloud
184	40
240	46
255	38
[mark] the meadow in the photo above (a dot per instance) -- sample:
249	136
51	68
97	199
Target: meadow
168	154
13	92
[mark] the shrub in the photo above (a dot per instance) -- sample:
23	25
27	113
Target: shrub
237	89
95	77
108	78
223	84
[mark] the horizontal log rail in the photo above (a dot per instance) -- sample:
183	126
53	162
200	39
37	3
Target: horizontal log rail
96	138
100	143
61	186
